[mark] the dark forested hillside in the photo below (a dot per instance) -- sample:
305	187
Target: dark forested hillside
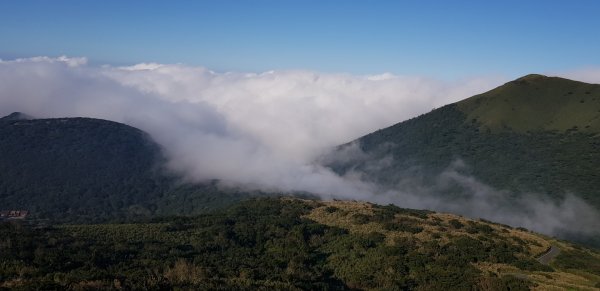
288	244
535	134
89	169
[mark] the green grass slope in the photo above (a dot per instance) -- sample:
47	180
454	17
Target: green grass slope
291	244
537	103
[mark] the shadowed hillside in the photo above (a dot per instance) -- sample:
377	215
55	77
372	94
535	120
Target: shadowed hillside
90	170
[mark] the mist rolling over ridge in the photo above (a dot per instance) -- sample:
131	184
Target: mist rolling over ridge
524	153
269	131
248	128
454	189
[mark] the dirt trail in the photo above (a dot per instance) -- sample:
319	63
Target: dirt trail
549	255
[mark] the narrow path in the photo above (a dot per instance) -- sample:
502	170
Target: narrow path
549	255
545	259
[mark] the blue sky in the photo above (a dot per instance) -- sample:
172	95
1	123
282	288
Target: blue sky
445	39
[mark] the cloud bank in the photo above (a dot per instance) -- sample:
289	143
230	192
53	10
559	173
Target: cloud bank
568	215
249	128
455	191
257	130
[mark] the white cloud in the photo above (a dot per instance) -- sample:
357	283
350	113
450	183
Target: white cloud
69	61
141	67
298	113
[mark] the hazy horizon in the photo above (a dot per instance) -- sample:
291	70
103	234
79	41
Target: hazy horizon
441	40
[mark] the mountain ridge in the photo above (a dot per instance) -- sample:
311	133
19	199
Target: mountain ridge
15	116
86	169
537	102
283	243
515	159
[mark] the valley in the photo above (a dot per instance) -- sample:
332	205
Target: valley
102	211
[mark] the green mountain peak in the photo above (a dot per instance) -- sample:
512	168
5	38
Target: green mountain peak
532	77
537	103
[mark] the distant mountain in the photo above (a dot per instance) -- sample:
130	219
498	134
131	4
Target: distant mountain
291	244
534	134
83	169
15	116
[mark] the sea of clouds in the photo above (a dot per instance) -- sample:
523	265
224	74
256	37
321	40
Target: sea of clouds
264	130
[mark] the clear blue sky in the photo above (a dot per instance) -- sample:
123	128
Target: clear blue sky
445	39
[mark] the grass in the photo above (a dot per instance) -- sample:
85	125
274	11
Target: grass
536	102
437	228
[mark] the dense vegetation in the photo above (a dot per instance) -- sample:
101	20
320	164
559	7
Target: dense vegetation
276	244
578	258
91	170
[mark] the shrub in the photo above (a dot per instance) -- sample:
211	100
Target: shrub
456	224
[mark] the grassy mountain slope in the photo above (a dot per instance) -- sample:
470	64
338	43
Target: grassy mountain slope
292	244
535	134
537	103
88	169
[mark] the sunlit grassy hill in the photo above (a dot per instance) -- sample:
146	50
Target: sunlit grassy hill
537	103
495	252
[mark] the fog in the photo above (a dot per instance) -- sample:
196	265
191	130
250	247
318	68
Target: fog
266	130
453	190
